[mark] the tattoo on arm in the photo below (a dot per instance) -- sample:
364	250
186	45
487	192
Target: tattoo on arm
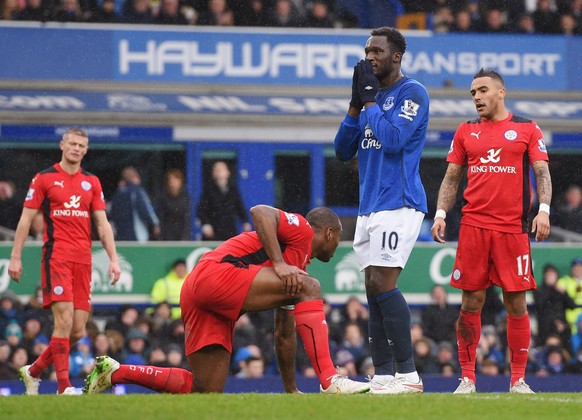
450	186
543	180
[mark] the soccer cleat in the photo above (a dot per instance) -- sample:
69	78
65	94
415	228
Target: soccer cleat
520	387
375	383
342	385
400	385
71	391
99	380
30	383
466	386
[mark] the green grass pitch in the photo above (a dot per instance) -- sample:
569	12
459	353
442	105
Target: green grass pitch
560	406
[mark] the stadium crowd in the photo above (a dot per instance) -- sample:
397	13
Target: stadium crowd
519	16
142	335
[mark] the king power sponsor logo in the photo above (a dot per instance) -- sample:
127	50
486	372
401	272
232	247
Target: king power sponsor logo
326	61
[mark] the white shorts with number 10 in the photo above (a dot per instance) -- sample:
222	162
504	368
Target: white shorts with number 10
386	238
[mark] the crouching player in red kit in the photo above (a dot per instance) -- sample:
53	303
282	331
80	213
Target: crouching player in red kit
253	271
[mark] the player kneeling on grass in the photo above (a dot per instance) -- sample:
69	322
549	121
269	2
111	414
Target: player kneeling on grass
253	271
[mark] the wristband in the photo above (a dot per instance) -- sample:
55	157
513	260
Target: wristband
544	207
440	213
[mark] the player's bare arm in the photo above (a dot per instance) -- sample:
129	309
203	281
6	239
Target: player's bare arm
541	223
266	221
106	237
22	230
285	348
446	199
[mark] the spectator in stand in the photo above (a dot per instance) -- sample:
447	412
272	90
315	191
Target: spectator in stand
173	208
158	357
5	371
463	22
439	318
488	348
167	288
33	308
251	13
569	25
31	331
138	12
35	11
568	215
170	13
551	303
494	22
556	361
9	10
218	14
423	356
221	206
136	350
132	213
9	310
355	342
572	283
9	207
13	334
252	367
354	311
443	19
525	24
576	11
126	319
285	15
68	11
445	356
18	359
546	20
116	343
161	321
319	15
81	360
101	345
105	13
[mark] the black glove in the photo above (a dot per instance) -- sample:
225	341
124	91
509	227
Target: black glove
367	82
355	101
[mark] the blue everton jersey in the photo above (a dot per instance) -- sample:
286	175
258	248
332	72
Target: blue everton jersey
388	139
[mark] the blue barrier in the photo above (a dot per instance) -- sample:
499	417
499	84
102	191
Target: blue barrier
272	384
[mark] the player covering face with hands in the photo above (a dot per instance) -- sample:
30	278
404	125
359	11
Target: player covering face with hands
386	128
253	271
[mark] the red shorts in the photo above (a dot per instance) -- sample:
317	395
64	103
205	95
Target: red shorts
66	281
486	257
211	299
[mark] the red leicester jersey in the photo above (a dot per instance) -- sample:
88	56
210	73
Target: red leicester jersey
498	156
66	202
294	234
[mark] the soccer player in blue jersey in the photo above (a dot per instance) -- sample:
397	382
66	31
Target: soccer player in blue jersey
386	127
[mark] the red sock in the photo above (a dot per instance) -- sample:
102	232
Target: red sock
41	363
60	351
171	380
312	328
468	335
518	340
